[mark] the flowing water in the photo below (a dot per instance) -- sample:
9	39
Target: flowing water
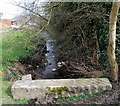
50	70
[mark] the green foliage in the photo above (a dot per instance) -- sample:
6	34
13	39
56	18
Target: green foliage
70	6
23	101
6	92
15	46
75	98
6	95
79	27
103	52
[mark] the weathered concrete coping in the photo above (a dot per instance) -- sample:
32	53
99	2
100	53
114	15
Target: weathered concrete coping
31	89
27	77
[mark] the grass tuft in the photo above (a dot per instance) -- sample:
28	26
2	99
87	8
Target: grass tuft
76	98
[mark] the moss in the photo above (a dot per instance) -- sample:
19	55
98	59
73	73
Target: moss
57	90
48	88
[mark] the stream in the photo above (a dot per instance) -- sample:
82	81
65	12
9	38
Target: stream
50	71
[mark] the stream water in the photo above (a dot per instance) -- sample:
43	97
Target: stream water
50	70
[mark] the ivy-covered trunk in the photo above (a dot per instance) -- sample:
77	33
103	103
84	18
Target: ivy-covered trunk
112	38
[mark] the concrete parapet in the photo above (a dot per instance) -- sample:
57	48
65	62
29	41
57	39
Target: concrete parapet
31	89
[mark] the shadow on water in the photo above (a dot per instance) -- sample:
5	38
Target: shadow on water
50	71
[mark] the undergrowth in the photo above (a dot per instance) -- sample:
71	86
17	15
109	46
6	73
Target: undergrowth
76	98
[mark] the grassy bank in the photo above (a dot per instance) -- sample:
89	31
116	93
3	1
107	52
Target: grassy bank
14	46
5	93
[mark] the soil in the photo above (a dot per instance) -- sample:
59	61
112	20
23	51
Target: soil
111	97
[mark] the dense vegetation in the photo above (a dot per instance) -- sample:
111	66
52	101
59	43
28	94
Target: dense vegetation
81	31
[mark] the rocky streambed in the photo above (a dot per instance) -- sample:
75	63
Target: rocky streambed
50	71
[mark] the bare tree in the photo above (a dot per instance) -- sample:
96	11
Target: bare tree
112	38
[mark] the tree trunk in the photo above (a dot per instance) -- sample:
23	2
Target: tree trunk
112	38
